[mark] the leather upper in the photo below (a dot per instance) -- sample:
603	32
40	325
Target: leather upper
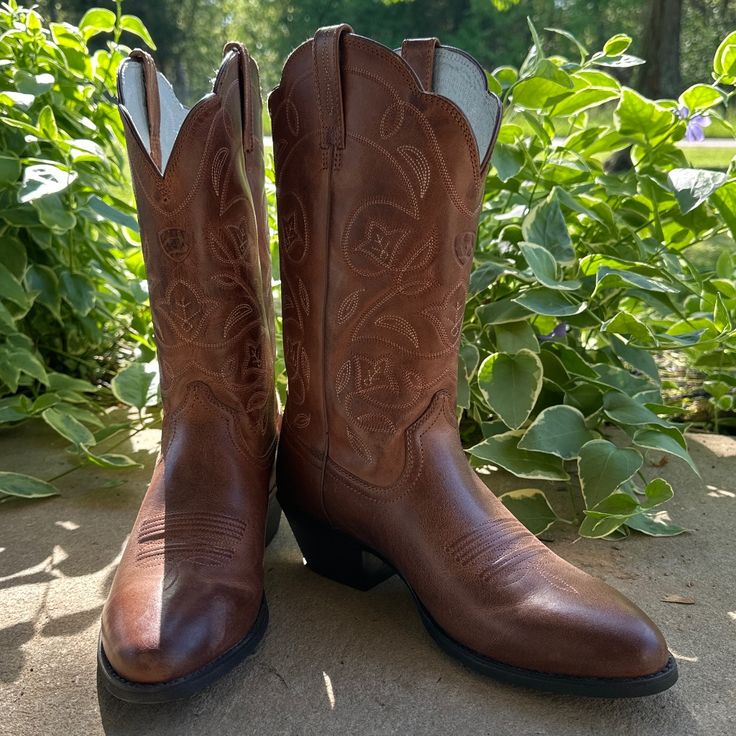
379	187
190	582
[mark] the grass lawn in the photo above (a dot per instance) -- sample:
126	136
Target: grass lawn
710	157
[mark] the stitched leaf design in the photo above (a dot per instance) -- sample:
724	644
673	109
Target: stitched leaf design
392	119
348	306
241	312
292	117
419	165
343	377
399	325
421	256
303	295
412	288
218	163
376	423
359	446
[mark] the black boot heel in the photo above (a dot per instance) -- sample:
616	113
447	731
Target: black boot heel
273	518
335	555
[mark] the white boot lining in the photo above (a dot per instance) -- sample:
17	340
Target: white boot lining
455	77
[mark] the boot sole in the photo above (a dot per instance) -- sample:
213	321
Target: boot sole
187	685
340	557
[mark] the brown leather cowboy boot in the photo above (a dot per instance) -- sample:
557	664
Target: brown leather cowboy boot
187	601
380	161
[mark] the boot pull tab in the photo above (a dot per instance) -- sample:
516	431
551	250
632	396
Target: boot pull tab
246	90
418	53
153	103
326	59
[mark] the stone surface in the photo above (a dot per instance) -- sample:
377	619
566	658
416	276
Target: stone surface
337	661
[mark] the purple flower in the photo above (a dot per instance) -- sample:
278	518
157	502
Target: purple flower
695	125
557	334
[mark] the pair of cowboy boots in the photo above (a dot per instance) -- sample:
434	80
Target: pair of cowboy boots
380	162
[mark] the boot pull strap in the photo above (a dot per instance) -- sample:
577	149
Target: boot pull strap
246	90
153	103
326	59
418	53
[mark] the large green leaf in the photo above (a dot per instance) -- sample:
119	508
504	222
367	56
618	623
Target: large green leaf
97	20
628	324
78	291
544	267
692	187
609	515
510	384
43	280
603	467
68	427
545	225
501	312
616	45
502	450
638	358
507	160
558	430
531	508
700	97
514	336
548	82
653	439
642	119
62	382
109	213
625	410
611	278
132	386
657	492
54	213
541	300
32	84
26	362
654	524
571	360
25	486
112	460
133	24
724	61
12	289
41	180
9	168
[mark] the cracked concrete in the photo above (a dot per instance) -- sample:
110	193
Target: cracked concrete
337	661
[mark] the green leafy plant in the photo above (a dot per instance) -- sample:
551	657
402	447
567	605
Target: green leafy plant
594	264
72	303
583	280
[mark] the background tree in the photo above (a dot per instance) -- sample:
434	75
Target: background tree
660	48
676	37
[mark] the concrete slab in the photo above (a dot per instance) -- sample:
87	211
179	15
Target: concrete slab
336	661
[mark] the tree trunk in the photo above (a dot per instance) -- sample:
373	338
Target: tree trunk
660	76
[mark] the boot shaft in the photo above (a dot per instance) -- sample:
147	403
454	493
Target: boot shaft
198	180
379	186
